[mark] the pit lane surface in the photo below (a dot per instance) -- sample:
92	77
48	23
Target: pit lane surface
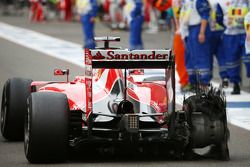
18	61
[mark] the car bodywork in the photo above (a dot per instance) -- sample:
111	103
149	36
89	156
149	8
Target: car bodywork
134	107
120	101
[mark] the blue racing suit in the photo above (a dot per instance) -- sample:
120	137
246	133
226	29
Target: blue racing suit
88	13
199	57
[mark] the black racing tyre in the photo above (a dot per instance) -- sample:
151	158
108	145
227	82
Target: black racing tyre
224	151
212	115
46	127
13	108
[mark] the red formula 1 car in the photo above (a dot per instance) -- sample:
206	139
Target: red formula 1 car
114	104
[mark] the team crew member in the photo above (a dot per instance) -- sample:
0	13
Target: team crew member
195	15
217	30
246	59
36	12
68	10
87	10
234	39
116	10
134	14
179	49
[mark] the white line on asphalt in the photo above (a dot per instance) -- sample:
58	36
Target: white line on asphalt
51	46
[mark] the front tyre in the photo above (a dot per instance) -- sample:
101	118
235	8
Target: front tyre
46	127
13	108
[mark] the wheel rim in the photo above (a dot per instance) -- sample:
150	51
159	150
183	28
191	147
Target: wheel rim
4	110
27	131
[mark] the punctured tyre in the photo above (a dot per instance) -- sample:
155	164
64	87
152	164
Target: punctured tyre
13	107
219	150
46	127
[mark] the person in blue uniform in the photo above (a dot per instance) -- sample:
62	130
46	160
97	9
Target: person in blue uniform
88	11
195	15
234	39
135	18
217	31
246	58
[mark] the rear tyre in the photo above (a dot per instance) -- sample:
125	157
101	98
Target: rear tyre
13	108
224	154
208	124
46	127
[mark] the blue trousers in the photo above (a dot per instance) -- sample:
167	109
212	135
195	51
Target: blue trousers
135	39
198	57
234	47
88	30
218	50
246	60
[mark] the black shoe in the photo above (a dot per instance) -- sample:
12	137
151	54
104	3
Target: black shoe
236	89
225	82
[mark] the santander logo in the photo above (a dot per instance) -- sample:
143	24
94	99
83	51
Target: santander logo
98	56
112	55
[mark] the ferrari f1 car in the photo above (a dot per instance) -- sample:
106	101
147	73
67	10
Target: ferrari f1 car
114	104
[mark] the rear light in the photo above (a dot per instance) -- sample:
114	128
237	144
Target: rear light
130	123
133	121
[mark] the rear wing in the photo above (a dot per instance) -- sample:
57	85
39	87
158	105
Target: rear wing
124	59
127	59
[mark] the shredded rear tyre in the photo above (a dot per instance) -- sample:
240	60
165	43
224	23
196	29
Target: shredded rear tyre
208	122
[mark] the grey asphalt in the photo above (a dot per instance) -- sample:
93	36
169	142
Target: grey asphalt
17	61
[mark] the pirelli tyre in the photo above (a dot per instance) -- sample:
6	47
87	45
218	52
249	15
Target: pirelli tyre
46	127
208	123
13	107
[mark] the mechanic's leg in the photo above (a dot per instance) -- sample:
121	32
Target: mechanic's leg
179	52
246	56
202	55
218	50
113	11
68	10
140	24
231	44
135	40
88	30
153	22
190	62
246	60
132	40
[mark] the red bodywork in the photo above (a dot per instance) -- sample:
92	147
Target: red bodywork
151	94
106	89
